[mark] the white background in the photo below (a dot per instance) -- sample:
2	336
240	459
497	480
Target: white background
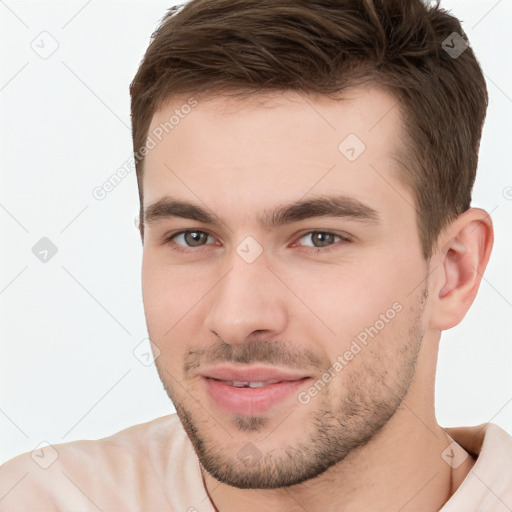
69	327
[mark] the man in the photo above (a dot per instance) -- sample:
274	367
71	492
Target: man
307	236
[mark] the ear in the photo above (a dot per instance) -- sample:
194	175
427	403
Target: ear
463	251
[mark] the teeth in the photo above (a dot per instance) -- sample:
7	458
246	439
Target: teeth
247	384
238	384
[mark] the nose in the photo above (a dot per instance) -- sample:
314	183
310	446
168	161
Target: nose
248	300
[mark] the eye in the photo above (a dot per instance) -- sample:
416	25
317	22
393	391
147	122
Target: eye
320	239
193	238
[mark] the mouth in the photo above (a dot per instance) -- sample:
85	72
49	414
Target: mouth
251	391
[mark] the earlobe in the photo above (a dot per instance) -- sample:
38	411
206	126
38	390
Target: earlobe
465	248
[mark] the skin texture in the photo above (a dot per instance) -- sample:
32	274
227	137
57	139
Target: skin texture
369	439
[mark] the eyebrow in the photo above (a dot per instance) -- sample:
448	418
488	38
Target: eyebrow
323	206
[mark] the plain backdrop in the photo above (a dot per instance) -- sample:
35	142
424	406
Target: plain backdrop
72	328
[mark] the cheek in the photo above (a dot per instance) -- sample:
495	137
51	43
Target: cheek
169	294
174	305
349	298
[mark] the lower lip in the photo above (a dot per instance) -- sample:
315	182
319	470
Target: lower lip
251	401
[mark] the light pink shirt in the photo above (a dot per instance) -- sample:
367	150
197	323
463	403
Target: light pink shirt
153	467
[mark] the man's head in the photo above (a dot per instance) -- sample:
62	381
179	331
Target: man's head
306	223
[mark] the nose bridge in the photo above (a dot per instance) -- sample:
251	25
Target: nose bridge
245	300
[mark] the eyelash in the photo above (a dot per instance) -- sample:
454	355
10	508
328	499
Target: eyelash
183	249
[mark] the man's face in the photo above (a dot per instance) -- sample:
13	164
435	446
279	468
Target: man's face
318	305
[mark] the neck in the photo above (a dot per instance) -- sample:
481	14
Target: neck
399	469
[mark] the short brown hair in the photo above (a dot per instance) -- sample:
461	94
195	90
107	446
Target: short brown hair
325	46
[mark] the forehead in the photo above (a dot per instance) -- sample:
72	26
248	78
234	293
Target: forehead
272	146
368	112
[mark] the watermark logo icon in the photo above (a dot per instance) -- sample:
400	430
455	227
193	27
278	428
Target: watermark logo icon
44	455
249	454
454	455
146	353
455	45
352	147
45	45
249	249
44	250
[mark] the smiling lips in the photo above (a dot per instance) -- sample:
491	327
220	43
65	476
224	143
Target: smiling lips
250	391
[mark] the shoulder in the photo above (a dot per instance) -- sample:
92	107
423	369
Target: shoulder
486	439
488	486
138	457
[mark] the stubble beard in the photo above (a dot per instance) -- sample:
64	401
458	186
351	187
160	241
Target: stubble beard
370	399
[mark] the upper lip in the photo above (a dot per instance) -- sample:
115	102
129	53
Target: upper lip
250	374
